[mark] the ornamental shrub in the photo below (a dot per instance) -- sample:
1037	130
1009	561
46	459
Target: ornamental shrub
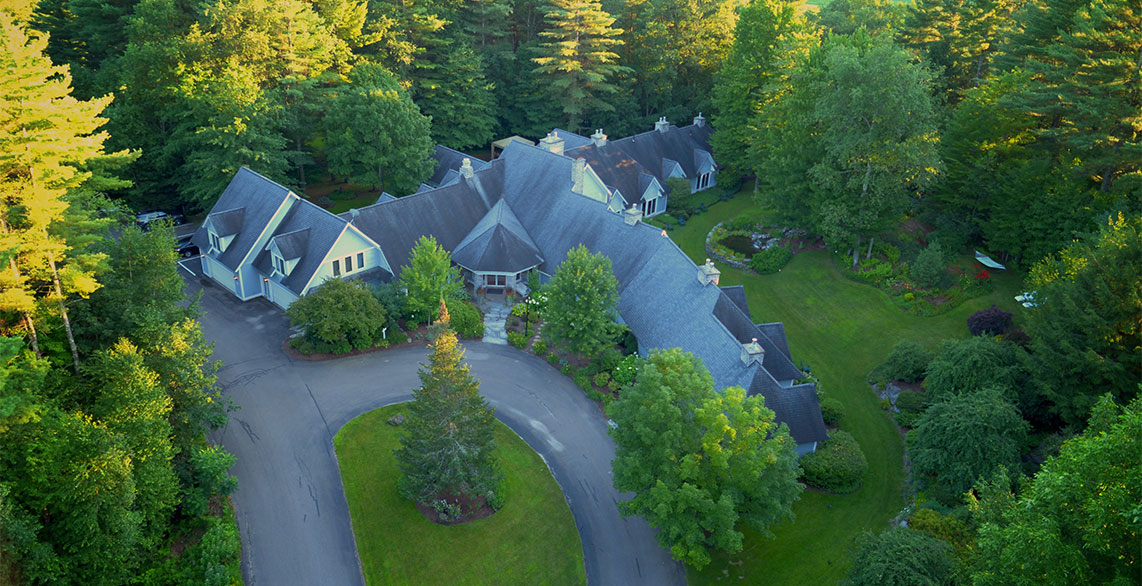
517	339
552	359
770	260
911	406
540	347
837	466
626	371
609	359
901	556
466	319
907	362
930	269
583	381
992	321
602	379
832	411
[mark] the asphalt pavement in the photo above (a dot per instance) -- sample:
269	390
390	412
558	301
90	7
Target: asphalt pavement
290	505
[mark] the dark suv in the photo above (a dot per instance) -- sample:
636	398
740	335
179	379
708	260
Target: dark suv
145	219
186	248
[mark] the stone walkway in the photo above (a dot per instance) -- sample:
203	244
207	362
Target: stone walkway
495	319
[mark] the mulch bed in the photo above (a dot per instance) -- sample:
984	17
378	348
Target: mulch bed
417	337
472	508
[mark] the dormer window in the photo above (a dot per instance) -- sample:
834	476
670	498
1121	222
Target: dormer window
279	264
215	242
704	181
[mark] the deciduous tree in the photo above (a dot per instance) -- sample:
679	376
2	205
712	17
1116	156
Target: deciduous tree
428	278
341	314
700	461
582	303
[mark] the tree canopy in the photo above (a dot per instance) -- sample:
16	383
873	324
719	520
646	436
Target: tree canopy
582	303
699	461
430	278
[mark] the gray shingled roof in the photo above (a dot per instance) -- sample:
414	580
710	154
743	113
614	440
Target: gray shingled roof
651	148
291	244
736	293
498	243
450	160
227	223
310	232
447	213
572	140
776	332
259	198
744	330
795	406
614	167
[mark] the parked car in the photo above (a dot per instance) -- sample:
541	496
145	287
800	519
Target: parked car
144	220
186	248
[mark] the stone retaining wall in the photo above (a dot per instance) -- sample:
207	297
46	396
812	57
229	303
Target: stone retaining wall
710	252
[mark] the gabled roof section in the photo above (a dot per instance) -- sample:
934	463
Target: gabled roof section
448	213
259	199
744	330
227	223
310	232
613	166
736	293
291	245
776	332
450	160
795	406
652	148
498	243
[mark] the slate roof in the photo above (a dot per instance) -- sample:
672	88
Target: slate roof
572	140
615	168
498	243
227	223
447	213
736	293
450	160
259	199
309	232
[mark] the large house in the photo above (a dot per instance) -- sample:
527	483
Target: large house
503	220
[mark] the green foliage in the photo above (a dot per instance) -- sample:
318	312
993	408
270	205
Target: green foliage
553	359
341	315
930	270
583	381
766	38
375	134
845	17
626	371
964	438
577	62
517	339
967	365
211	477
832	411
851	141
430	277
837	466
901	557
466	319
912	406
907	362
992	321
770	260
539	347
602	379
699	461
679	198
1076	521
1086	332
946	528
454	94
582	303
392	297
447	446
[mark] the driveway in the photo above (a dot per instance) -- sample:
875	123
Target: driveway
290	505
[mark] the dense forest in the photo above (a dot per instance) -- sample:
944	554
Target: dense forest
1010	125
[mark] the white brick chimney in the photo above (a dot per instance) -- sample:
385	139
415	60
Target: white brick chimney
552	143
632	215
662	125
699	120
466	169
752	352
708	273
599	138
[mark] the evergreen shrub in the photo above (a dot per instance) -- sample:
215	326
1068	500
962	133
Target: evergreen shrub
837	466
771	260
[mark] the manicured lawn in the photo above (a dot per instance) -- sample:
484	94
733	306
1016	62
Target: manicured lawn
842	329
531	540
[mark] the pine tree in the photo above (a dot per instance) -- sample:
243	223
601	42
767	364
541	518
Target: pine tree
46	137
447	448
578	61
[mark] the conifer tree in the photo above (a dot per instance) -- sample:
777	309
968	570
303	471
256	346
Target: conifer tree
448	448
577	61
46	137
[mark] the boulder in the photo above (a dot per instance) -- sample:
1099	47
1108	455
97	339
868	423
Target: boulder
396	420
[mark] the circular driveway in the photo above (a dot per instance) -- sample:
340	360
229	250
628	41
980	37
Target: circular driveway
290	506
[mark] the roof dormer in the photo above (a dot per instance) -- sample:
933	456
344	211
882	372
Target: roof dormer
287	249
223	226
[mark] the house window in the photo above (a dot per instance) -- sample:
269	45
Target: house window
215	242
649	206
496	280
336	268
360	260
348	264
279	264
703	181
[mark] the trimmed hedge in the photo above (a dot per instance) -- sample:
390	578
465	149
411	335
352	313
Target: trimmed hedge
837	466
770	260
832	411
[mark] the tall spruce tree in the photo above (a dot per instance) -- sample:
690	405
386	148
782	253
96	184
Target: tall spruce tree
447	448
578	59
46	138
